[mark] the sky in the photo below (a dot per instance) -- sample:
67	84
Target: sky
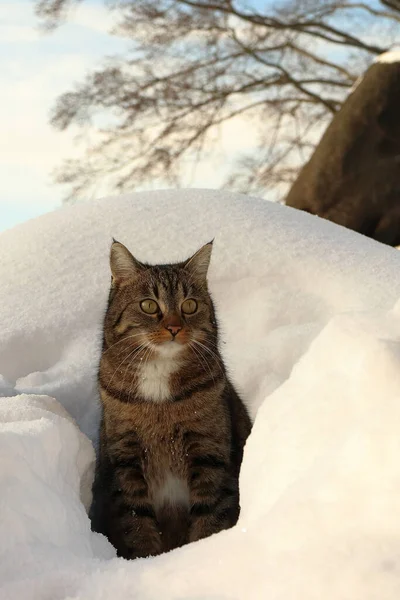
36	68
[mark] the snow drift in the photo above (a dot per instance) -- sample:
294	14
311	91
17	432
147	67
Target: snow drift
310	328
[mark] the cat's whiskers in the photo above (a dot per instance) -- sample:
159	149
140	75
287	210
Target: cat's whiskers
120	341
143	346
123	350
212	354
133	353
147	351
211	342
144	360
202	358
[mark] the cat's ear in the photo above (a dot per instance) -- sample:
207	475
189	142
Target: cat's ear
198	263
123	265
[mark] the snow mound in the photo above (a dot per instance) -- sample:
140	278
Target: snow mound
310	324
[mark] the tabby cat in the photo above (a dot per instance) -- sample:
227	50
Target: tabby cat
173	427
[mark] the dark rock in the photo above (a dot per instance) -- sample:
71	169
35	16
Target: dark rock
353	177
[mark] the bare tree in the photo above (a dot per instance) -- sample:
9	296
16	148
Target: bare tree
196	65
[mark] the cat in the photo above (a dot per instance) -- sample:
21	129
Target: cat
173	427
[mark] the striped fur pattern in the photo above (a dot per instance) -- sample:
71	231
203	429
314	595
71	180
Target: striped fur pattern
173	427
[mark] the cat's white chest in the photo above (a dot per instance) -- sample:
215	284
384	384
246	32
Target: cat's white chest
154	379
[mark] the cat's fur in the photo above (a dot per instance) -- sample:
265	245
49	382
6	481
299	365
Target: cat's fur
173	427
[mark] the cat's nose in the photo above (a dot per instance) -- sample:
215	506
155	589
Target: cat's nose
174	329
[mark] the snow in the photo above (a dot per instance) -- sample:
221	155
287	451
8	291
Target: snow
46	473
391	56
310	323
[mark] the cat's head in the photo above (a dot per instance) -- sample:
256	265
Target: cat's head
165	309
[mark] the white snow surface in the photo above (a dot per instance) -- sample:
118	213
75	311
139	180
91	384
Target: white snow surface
391	56
310	325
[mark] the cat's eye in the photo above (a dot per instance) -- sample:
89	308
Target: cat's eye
189	306
148	306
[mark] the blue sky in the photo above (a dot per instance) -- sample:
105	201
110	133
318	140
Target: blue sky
35	69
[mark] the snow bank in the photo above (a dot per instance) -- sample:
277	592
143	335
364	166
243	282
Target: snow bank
311	330
46	471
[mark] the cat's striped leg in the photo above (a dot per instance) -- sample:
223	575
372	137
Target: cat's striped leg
214	497
134	529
